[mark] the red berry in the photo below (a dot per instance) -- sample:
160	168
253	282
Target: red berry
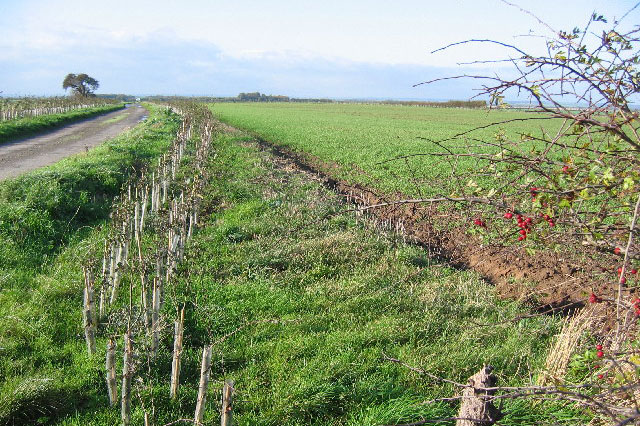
599	347
599	354
528	220
600	376
523	232
519	217
593	298
508	215
619	271
616	250
565	169
634	271
623	280
551	224
521	237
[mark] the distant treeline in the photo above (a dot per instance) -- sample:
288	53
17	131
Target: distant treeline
118	97
447	104
242	97
261	97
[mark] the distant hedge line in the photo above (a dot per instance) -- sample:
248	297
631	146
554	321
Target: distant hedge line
447	104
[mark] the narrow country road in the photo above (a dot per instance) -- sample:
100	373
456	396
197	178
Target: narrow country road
23	155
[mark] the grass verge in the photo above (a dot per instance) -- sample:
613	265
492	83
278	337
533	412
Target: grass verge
50	220
301	302
14	129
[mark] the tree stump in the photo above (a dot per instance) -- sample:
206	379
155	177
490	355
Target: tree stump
476	408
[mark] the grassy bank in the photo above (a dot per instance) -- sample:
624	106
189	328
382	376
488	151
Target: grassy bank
50	219
14	129
301	302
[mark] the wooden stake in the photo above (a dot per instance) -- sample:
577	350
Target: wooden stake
144	208
136	221
112	263
177	355
146	308
112	389
164	190
190	232
205	371
89	313
127	373
476	408
227	403
101	308
116	274
104	260
155	317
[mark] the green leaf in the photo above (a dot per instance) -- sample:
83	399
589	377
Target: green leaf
584	194
607	177
565	204
628	183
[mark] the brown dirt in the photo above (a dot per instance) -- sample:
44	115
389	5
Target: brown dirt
22	155
549	282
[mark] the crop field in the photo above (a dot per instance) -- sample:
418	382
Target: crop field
360	138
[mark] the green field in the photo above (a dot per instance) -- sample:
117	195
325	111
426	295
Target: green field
360	137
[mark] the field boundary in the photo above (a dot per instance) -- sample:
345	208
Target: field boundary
544	281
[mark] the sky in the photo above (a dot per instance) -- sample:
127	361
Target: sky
336	49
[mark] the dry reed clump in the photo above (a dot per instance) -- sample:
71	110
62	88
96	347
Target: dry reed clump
565	345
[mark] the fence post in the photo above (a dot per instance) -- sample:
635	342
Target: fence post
205	370
127	373
89	313
177	354
112	389
476	409
227	404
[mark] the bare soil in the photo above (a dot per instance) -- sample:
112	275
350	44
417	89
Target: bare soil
22	155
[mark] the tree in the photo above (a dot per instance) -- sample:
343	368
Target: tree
81	84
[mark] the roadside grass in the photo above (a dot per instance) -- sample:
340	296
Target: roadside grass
115	119
41	210
51	220
301	302
361	138
13	129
